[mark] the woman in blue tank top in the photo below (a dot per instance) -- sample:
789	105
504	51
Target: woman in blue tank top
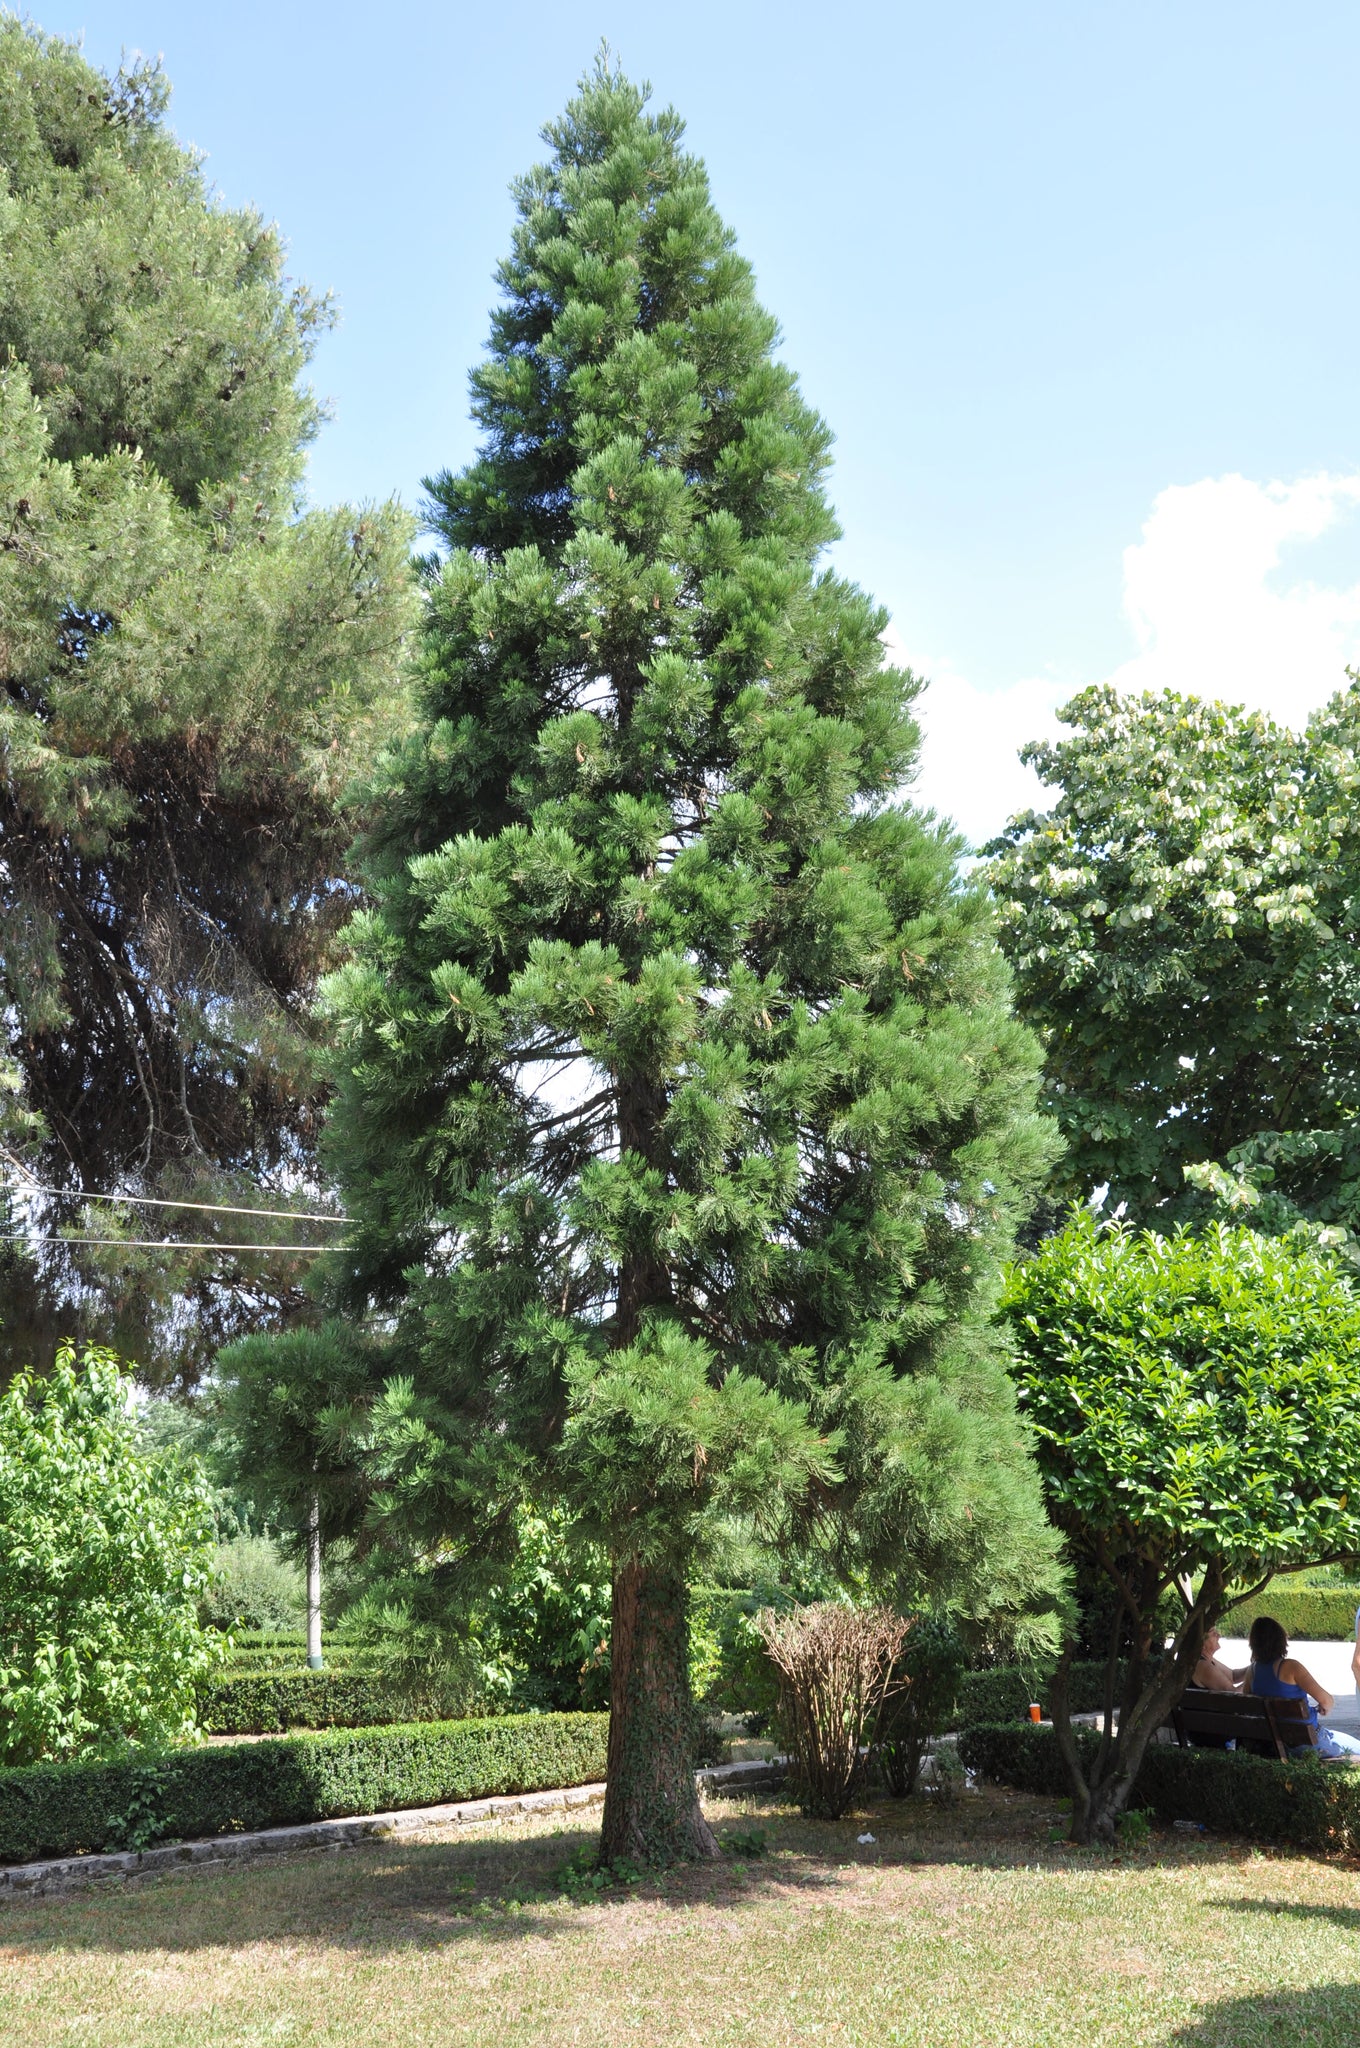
1275	1675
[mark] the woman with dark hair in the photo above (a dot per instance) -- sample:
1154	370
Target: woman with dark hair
1275	1675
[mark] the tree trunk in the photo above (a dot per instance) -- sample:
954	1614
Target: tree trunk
1096	1819
651	1807
314	1585
1099	1800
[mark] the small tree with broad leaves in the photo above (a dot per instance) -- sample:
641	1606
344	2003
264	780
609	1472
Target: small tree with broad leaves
105	1550
1195	1403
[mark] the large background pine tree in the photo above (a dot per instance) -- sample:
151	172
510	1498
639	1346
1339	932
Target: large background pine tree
681	1112
190	667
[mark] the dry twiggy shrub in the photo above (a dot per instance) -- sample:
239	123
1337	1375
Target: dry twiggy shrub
835	1668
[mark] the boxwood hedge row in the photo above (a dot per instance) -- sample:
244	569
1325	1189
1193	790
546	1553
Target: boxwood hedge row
1308	1804
269	1702
1004	1693
66	1809
1321	1612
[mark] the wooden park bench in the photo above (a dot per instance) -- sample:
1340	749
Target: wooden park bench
1266	1727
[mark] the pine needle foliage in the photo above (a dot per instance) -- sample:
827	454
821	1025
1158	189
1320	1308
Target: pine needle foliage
680	1108
190	667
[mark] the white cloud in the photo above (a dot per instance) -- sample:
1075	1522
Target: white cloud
1203	596
1217	606
971	740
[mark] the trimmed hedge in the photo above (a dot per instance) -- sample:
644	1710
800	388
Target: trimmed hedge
270	1702
1004	1693
268	1639
1308	1804
67	1809
1322	1613
285	1658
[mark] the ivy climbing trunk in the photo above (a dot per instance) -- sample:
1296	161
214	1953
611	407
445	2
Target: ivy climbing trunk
651	1808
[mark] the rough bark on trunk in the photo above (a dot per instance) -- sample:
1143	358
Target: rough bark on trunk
651	1808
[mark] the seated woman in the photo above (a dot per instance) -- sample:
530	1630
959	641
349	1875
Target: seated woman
1275	1675
1213	1675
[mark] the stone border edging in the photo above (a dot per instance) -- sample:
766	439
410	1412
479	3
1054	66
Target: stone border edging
74	1873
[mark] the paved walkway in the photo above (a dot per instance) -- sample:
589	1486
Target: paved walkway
1330	1664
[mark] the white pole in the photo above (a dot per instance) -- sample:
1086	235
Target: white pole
314	1586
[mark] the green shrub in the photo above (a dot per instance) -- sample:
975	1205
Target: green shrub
255	1586
730	1669
928	1675
1018	1754
535	1637
1307	1804
65	1809
265	1702
1304	1612
106	1550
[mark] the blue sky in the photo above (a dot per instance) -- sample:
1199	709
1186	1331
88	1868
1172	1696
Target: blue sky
1075	286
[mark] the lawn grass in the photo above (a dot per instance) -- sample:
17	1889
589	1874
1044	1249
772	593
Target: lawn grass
960	1927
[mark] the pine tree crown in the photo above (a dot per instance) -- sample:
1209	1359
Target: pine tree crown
680	1106
193	667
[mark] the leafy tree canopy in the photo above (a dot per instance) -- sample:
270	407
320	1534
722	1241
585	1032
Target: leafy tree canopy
191	666
106	1552
1183	925
681	1112
1195	1404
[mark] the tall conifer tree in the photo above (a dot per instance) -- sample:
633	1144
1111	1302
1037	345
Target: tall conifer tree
681	1112
192	666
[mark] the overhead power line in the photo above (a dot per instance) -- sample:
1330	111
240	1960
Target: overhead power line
165	1244
38	1187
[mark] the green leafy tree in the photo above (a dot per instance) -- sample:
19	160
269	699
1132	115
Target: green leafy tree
1183	926
106	1551
1195	1404
255	1587
533	1635
547	1620
191	666
681	1115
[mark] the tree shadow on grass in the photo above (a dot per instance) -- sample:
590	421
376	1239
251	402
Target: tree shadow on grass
1347	1917
393	1894
528	1879
1323	2016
